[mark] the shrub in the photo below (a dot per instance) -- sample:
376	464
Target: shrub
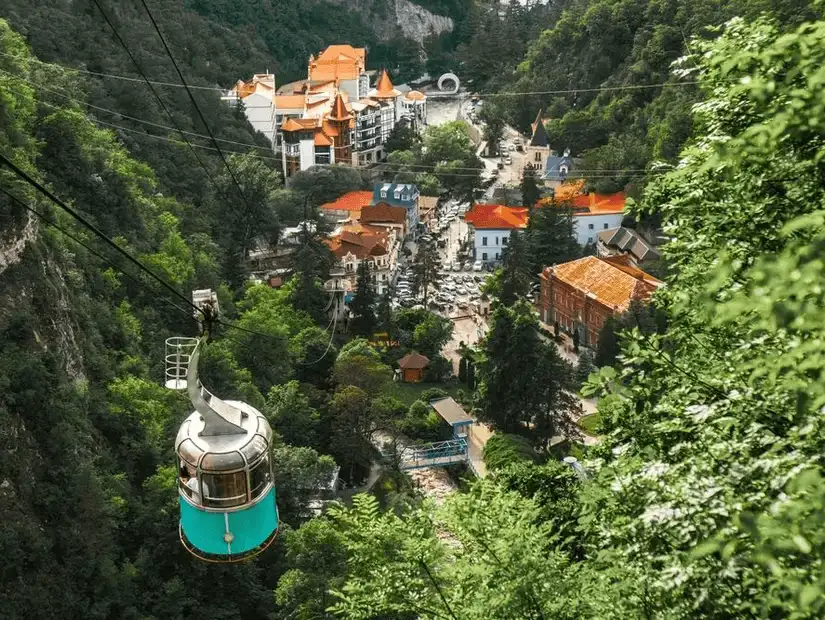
502	450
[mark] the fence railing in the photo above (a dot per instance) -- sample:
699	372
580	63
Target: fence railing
435	454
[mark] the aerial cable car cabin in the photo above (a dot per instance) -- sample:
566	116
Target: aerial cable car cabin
226	494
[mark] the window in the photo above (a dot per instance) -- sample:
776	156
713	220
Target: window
224	490
496	240
397	194
383	194
590	226
484	256
538	156
504	240
498	256
590	240
605	225
259	477
484	241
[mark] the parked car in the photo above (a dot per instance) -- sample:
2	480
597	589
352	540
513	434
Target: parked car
468	266
477	266
509	160
456	266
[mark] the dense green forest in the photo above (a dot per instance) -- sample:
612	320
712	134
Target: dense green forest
705	497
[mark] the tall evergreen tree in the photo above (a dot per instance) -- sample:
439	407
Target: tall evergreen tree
307	294
363	304
493	116
515	274
508	396
530	192
550	238
425	270
384	313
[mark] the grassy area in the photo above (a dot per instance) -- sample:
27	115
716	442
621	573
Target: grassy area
408	393
590	423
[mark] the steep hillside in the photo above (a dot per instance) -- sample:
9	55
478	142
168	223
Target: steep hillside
627	45
391	19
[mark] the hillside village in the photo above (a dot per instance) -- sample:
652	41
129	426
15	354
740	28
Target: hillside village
412	309
337	116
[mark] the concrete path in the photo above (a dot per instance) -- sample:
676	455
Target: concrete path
479	435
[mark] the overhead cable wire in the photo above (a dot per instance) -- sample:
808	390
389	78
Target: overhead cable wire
109	75
595	89
101	235
131	118
94	229
604	173
329	344
194	103
90	249
424	167
560	91
152	88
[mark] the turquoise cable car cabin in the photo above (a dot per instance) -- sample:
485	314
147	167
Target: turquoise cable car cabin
228	509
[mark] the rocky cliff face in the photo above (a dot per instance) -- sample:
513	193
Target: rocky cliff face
392	18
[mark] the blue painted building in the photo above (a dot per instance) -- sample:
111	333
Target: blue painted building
400	195
558	169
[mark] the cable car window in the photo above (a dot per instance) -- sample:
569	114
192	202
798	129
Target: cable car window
187	489
259	477
224	490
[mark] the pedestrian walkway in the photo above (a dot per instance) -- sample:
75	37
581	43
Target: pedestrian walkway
477	438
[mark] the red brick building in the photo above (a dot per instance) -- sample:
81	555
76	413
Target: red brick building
582	294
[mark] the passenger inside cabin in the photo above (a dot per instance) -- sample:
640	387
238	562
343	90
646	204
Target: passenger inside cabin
190	481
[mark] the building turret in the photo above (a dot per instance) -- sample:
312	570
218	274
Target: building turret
339	123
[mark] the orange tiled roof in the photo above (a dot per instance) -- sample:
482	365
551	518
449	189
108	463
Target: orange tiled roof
330	129
336	51
598	204
610	282
339	110
361	244
382	212
289	101
264	81
415	95
571	194
567	191
384	88
299	124
337	62
321	139
351	201
497	216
